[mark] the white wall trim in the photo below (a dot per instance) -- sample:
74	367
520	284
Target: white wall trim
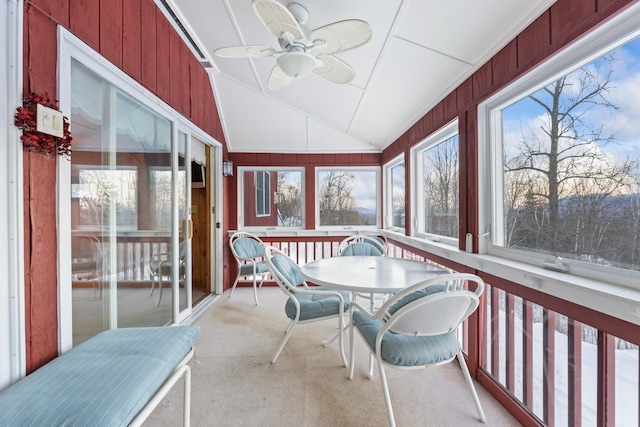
12	317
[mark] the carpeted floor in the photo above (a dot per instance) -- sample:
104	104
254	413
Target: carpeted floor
234	382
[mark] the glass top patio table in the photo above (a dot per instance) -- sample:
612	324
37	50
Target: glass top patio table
369	274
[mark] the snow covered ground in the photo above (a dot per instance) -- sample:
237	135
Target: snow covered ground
627	375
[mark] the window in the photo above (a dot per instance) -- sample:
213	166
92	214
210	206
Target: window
260	206
160	197
348	197
98	191
436	174
263	193
395	194
565	159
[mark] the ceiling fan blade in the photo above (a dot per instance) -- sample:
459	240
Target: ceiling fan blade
278	79
343	35
253	51
334	69
277	18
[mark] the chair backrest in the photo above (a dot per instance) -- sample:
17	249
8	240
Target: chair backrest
361	246
283	269
379	237
246	246
433	307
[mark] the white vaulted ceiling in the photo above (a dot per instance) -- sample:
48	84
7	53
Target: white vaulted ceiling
420	51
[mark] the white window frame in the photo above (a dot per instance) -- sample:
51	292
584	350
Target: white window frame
417	188
12	329
388	192
609	35
240	197
377	171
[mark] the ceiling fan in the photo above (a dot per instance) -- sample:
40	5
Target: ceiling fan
303	51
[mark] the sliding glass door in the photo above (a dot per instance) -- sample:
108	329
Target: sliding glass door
130	211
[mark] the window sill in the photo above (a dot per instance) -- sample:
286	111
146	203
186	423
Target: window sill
611	299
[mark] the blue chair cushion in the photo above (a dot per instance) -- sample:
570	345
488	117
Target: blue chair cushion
248	248
361	249
247	269
289	269
314	306
405	350
311	306
414	296
104	381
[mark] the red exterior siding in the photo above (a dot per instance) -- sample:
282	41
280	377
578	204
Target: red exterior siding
135	36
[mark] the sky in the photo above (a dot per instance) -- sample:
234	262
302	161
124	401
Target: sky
625	94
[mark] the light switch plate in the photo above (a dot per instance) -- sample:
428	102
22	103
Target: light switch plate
49	121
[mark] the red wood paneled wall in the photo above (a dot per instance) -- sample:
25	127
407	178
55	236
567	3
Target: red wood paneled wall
135	36
563	23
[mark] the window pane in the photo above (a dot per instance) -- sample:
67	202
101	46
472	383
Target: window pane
571	181
98	189
440	184
348	197
398	196
120	182
263	207
263	203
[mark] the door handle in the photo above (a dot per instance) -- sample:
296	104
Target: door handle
189	229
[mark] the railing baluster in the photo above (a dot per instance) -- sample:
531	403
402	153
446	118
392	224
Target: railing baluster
495	332
606	380
574	372
548	366
510	335
527	353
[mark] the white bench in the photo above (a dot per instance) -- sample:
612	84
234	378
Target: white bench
115	378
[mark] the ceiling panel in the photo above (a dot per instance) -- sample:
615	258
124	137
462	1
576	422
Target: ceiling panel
406	84
459	31
419	52
257	123
322	138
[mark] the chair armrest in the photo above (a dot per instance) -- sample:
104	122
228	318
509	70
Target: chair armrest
366	312
307	290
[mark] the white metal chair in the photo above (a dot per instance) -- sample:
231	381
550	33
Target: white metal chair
161	265
361	245
417	328
86	261
379	237
305	304
248	250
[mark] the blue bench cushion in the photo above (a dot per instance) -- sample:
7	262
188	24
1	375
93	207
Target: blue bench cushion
404	350
104	381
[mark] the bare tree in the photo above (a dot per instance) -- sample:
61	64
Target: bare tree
441	179
565	151
290	201
336	198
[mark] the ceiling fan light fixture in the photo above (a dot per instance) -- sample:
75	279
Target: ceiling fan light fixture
297	64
